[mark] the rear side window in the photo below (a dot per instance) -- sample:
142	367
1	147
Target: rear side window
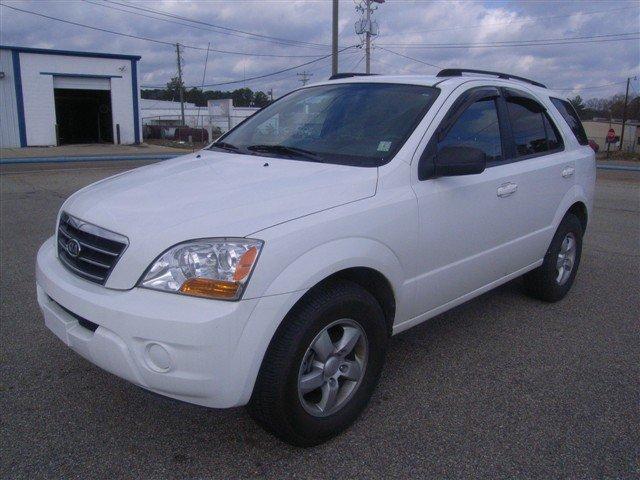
477	127
533	132
571	116
552	136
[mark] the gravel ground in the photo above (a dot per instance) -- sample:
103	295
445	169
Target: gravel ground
500	387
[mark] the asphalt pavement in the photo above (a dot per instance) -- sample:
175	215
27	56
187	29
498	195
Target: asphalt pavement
501	387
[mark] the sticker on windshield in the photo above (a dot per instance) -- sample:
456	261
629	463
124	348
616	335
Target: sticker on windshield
384	146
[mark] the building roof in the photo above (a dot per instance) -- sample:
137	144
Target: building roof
70	53
152	104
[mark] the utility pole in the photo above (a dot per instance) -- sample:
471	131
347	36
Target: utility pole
334	39
624	112
304	77
367	27
270	93
180	86
367	51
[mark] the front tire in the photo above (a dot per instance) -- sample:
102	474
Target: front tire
552	280
322	365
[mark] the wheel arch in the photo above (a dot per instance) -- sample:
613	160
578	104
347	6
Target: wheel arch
579	209
370	280
364	261
574	202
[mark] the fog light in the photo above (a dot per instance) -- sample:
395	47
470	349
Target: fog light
157	357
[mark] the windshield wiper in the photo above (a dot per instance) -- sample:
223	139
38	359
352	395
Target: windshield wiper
225	146
285	150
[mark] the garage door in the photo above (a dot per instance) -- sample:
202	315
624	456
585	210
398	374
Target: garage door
82	83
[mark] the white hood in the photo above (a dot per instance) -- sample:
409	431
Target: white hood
218	195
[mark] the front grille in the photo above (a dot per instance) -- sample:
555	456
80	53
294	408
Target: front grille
87	250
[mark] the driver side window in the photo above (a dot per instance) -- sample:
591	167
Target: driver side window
477	127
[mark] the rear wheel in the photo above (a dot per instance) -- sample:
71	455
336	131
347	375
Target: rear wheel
322	365
553	279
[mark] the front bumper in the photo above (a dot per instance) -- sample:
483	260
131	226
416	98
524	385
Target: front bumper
198	350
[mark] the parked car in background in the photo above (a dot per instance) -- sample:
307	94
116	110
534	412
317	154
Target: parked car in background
594	145
270	269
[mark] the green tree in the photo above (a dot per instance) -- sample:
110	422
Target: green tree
242	97
579	105
173	88
260	99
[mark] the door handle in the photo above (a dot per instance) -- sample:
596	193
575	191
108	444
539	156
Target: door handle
568	172
507	189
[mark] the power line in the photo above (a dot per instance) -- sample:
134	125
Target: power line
509	43
228	29
154	40
592	87
525	20
408	57
258	76
206	29
358	63
541	44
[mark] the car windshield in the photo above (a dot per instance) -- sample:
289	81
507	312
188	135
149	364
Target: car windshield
362	124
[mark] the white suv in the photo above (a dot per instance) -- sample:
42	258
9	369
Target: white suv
271	268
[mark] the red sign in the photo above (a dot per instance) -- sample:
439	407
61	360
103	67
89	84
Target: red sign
611	135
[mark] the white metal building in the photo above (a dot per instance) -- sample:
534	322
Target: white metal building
153	112
56	97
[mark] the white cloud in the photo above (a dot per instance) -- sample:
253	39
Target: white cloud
406	22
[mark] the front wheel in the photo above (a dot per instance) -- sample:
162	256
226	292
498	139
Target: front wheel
553	279
322	365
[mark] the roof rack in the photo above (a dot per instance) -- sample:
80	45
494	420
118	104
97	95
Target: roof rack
457	72
338	76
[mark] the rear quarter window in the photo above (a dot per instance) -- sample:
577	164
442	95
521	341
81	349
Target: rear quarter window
573	120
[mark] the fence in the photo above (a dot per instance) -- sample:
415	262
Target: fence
196	128
628	145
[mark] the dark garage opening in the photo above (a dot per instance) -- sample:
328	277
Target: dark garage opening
83	116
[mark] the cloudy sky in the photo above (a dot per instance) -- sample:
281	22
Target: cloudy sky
583	52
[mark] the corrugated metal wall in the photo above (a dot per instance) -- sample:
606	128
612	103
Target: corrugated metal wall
9	133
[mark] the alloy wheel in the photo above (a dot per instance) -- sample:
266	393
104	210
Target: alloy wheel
566	258
333	367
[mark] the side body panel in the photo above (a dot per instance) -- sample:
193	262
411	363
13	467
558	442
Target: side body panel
470	237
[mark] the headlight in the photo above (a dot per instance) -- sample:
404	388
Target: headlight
213	268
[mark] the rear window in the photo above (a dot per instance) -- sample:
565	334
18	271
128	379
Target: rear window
571	117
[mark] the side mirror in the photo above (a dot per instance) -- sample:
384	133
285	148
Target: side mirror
452	161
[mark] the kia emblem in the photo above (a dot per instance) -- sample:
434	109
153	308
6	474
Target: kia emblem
73	247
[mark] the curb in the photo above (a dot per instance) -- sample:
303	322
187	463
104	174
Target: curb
628	168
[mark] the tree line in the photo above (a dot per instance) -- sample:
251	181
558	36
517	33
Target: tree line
611	107
242	97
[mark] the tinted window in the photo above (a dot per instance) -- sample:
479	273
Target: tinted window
477	127
553	138
573	120
533	133
362	124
